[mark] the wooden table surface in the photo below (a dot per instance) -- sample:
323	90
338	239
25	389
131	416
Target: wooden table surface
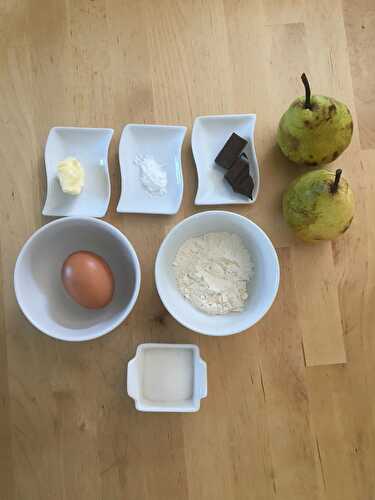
290	409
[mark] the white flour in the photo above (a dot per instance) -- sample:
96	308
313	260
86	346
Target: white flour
153	175
212	272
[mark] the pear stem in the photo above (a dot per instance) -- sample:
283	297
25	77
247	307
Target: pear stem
335	184
307	91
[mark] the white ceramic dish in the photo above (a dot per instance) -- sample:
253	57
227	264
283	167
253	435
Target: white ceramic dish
209	135
163	143
136	387
262	289
37	278
90	147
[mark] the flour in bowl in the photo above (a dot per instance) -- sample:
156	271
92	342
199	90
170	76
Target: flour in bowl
212	272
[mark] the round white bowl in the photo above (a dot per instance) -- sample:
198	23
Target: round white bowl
39	290
262	288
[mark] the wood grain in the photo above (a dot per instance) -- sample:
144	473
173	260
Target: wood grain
320	317
290	411
359	19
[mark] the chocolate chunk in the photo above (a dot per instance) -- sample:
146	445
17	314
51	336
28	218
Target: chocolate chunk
240	179
231	151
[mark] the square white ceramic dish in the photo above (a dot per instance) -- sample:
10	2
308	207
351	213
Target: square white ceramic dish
209	135
163	143
136	386
90	147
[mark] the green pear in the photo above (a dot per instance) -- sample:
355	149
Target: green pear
315	129
319	205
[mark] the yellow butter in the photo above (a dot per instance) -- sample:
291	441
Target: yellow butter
71	176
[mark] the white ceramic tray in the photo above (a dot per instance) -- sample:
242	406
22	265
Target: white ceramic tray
209	135
163	143
135	382
90	147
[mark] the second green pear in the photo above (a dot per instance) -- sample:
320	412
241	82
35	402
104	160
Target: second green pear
315	129
319	205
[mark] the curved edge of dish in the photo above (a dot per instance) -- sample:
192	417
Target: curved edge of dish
50	174
200	199
121	202
46	211
255	162
108	139
182	132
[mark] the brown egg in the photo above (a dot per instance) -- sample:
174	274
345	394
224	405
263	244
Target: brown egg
88	279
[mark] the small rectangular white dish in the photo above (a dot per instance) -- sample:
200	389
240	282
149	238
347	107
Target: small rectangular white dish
209	135
163	143
159	374
90	147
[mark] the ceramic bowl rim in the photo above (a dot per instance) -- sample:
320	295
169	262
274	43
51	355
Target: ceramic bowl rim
135	263
247	221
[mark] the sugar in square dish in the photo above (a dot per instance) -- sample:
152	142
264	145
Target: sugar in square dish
167	378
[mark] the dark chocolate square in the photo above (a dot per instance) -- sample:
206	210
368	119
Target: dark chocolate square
240	179
230	151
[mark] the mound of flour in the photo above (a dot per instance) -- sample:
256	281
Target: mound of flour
212	272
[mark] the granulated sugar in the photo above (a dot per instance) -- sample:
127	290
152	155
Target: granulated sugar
153	175
168	374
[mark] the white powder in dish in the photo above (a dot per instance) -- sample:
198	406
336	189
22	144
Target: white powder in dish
212	272
152	174
168	374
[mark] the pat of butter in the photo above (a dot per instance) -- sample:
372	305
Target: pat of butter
71	176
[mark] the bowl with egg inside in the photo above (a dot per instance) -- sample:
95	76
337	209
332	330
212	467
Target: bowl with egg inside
77	278
217	273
